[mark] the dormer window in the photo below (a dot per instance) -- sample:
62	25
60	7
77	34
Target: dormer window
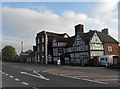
110	48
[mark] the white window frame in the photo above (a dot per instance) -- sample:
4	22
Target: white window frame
110	48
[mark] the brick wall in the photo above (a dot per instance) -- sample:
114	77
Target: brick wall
114	49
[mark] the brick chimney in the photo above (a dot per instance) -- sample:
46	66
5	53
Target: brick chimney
79	28
105	30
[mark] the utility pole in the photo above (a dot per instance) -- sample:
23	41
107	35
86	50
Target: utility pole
21	47
22	50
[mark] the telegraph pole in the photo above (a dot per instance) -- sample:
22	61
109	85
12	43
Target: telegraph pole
21	47
22	50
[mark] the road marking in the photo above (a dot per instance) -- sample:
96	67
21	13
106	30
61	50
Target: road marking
25	83
82	79
37	76
3	72
17	79
11	76
48	70
106	79
40	75
28	69
6	74
16	67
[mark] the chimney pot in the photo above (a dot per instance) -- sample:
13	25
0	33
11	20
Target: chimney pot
105	30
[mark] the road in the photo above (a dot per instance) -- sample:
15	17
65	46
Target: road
35	76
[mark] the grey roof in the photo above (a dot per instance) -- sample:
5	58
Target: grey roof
106	38
88	36
51	34
85	36
70	41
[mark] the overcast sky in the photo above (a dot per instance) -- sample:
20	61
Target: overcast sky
21	21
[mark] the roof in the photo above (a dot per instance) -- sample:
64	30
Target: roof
70	41
105	38
51	34
88	36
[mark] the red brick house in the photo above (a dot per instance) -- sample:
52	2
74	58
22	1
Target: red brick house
110	44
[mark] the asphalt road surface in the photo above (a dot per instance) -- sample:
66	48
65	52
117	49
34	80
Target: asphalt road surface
36	76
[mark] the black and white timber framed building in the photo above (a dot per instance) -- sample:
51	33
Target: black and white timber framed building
69	50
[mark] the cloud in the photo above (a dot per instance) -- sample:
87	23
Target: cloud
108	13
17	44
25	23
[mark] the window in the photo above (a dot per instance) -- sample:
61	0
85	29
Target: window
109	48
38	58
42	39
38	40
102	59
105	59
42	48
38	48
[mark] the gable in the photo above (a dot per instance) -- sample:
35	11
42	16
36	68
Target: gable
54	43
78	41
95	39
65	36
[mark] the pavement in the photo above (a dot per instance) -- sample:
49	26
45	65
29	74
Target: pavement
36	76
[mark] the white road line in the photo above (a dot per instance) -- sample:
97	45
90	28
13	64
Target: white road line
6	74
40	75
106	79
48	70
28	69
17	79
11	76
16	67
83	79
25	83
37	76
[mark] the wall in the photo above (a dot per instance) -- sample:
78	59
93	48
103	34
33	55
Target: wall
114	49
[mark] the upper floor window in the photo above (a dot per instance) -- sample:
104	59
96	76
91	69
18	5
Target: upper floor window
109	48
42	39
38	48
38	40
42	48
